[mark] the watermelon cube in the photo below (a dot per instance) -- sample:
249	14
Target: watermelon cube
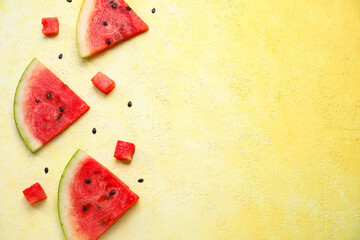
50	26
124	151
103	83
35	193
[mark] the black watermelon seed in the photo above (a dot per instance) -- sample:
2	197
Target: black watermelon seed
94	130
111	2
69	1
105	23
59	116
112	192
61	109
153	10
84	208
114	5
88	181
128	8
37	100
108	42
48	95
46	170
140	180
60	56
129	104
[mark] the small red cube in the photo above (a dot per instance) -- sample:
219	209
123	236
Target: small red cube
103	83
50	26
124	151
35	193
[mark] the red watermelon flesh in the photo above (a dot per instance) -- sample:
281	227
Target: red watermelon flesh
50	26
103	82
91	198
44	106
35	194
124	151
104	23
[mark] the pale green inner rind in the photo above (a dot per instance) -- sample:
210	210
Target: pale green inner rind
64	207
29	139
82	27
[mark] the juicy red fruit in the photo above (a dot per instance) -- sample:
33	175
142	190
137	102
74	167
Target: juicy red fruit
103	83
35	194
50	26
99	198
109	23
124	151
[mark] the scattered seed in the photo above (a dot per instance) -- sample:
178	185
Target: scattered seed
140	180
112	192
111	2
88	181
37	100
129	104
61	109
60	56
94	130
153	10
105	23
114	5
48	95
69	1
128	8
59	116
108	42
84	208
46	170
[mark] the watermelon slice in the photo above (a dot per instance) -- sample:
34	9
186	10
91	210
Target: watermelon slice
105	23
35	194
44	106
124	151
50	26
103	83
90	198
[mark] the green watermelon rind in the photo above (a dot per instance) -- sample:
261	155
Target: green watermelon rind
81	28
62	205
30	141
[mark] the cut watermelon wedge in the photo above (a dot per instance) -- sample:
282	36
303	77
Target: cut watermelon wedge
90	198
44	106
105	23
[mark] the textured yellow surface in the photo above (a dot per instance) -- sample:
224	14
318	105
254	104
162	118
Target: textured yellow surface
246	119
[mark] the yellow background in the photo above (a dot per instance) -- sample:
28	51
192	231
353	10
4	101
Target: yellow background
246	119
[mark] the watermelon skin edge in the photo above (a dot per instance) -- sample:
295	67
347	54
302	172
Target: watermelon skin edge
78	155
80	37
29	141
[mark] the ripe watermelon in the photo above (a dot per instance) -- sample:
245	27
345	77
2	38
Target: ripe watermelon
44	106
90	198
105	23
124	151
50	26
103	83
35	194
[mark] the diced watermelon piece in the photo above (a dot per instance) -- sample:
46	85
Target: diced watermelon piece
124	151
105	23
103	83
35	193
50	26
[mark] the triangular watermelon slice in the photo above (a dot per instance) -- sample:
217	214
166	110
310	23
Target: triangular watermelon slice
90	198
105	23
44	106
